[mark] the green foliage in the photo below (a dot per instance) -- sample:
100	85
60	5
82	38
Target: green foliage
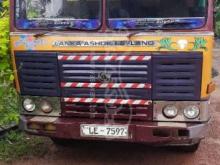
217	17
32	10
16	145
8	97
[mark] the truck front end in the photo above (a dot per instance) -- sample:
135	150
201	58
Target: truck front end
135	71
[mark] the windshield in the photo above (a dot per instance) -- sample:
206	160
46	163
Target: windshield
40	14
156	14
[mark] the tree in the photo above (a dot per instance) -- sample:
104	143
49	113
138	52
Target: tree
8	97
217	17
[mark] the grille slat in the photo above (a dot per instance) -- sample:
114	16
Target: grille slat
41	78
36	65
38	73
176	89
174	75
40	85
176	95
103	67
114	73
38	92
177	77
167	82
178	67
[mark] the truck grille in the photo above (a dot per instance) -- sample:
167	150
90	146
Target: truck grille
177	76
38	73
81	69
129	80
108	111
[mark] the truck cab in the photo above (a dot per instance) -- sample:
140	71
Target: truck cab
121	70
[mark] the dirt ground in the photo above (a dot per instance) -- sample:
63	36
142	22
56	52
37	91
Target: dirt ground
106	153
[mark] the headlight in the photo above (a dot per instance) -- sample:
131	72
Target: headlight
29	105
45	106
170	111
191	112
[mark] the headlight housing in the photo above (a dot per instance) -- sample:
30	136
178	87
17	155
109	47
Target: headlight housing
46	106
170	111
191	112
29	105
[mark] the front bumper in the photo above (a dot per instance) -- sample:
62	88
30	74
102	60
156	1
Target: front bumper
157	133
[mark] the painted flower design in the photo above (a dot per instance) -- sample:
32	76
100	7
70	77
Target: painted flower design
29	42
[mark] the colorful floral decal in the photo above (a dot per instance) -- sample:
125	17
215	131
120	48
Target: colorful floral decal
199	43
166	43
90	24
29	42
122	24
155	23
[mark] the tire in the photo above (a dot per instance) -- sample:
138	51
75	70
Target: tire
60	142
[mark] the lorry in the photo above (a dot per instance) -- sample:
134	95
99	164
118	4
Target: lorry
114	70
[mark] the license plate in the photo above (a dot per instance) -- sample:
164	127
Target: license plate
104	131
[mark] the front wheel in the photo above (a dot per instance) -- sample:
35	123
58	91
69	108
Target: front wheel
59	141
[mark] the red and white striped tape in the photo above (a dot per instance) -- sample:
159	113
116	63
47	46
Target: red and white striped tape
107	101
104	58
106	85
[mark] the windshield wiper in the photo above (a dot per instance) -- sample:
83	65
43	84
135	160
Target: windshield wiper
150	27
55	29
176	24
159	27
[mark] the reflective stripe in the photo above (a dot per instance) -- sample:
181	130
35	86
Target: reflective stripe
105	85
108	101
104	58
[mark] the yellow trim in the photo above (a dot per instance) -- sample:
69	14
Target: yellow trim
17	85
46	43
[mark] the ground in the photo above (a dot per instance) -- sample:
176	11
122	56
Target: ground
106	153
